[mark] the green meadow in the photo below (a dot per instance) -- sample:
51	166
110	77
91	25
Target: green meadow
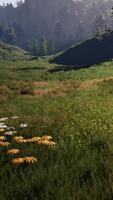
75	107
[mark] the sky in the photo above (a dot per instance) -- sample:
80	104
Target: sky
8	1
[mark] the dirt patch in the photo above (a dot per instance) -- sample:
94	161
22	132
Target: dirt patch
40	83
62	88
56	88
93	83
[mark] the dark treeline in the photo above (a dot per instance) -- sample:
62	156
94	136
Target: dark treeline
46	26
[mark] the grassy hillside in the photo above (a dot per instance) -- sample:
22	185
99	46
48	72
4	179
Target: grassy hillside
9	52
75	107
88	53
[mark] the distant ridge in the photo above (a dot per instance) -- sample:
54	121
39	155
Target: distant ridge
87	53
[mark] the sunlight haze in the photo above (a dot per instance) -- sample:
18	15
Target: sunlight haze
8	1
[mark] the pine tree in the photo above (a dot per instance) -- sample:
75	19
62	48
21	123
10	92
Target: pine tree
44	47
51	47
10	35
2	30
33	47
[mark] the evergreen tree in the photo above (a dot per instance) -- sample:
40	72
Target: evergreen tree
2	32
20	38
44	47
51	47
10	35
33	47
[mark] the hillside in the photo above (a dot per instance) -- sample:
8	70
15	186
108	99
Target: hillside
87	53
9	52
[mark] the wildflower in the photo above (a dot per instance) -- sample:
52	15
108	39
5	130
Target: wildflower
2	123
23	125
34	139
3	119
10	128
2	138
30	159
23	140
17	138
14	117
20	139
46	137
17	161
46	142
2	130
13	151
4	144
10	133
3	126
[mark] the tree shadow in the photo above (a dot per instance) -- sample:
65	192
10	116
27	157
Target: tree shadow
91	52
29	68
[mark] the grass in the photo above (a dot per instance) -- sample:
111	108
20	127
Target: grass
40	70
9	52
80	122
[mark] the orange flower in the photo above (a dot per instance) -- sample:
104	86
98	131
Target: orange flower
13	151
34	139
18	161
4	144
23	140
46	137
46	142
16	138
30	159
2	130
2	138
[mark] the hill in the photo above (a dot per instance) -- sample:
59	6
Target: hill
9	52
88	53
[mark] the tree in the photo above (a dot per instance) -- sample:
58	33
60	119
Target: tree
10	35
51	47
44	47
19	3
33	47
2	31
20	37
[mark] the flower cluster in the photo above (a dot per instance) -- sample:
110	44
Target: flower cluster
45	140
13	151
10	134
18	161
4	144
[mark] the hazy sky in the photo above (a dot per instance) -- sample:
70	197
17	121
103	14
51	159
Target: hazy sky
8	1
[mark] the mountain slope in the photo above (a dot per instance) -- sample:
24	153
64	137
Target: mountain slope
88	53
9	52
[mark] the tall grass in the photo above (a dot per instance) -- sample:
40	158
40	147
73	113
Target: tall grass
80	167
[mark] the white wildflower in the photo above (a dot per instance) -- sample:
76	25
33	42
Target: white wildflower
2	125
3	119
10	133
23	125
14	117
10	128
